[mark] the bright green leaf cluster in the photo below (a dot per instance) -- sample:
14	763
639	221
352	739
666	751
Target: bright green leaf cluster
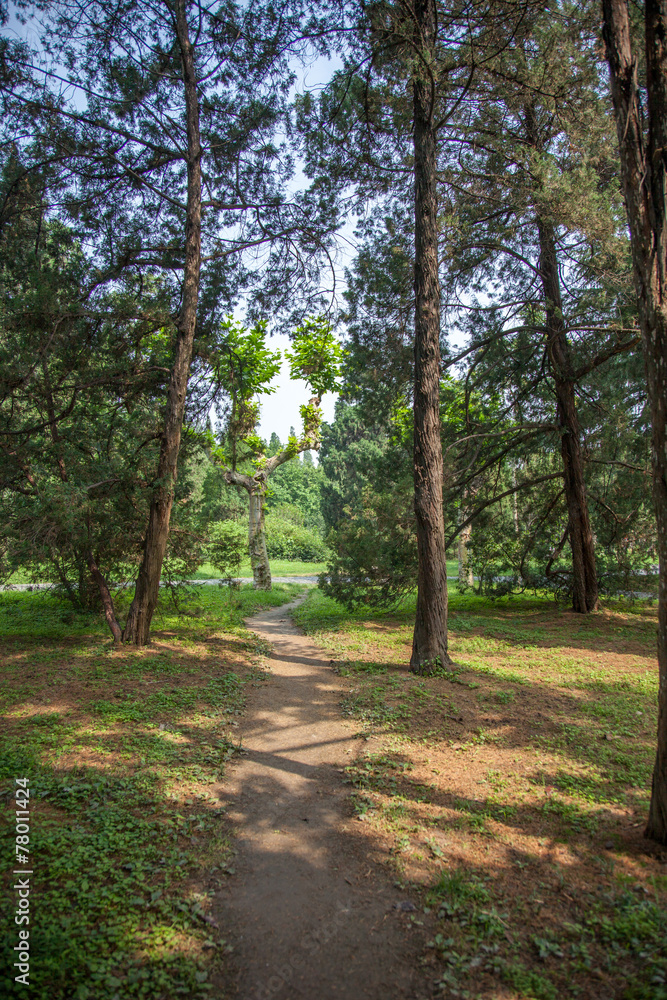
316	356
248	366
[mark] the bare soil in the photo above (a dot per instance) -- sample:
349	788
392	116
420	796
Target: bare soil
310	911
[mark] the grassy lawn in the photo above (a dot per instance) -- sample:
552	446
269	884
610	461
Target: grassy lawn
509	796
279	567
122	750
283	567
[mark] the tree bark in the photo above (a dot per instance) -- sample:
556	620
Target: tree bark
584	574
259	558
429	645
465	571
88	589
255	486
141	611
462	542
643	171
107	600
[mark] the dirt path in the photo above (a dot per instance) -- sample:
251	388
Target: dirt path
309	913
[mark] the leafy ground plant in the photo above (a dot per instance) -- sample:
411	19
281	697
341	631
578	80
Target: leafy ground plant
123	750
509	795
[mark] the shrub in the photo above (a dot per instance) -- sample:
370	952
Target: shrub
228	544
373	561
286	539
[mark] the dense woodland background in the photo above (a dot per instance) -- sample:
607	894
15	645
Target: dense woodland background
528	169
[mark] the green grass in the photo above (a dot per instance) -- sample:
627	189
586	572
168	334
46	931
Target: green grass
39	614
285	567
279	567
519	643
477	936
123	750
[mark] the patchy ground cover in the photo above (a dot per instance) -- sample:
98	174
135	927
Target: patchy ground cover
122	749
510	796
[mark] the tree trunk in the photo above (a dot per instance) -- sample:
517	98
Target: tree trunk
255	486
259	559
643	171
515	505
429	646
141	611
465	572
107	600
462	541
88	588
584	574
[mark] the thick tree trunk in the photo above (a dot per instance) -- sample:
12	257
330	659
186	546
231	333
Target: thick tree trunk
584	573
137	628
429	645
644	175
259	559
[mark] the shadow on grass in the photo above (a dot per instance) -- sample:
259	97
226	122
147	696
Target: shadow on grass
527	621
120	750
607	726
127	848
559	750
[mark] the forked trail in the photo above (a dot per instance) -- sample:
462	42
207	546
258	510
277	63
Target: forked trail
309	913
